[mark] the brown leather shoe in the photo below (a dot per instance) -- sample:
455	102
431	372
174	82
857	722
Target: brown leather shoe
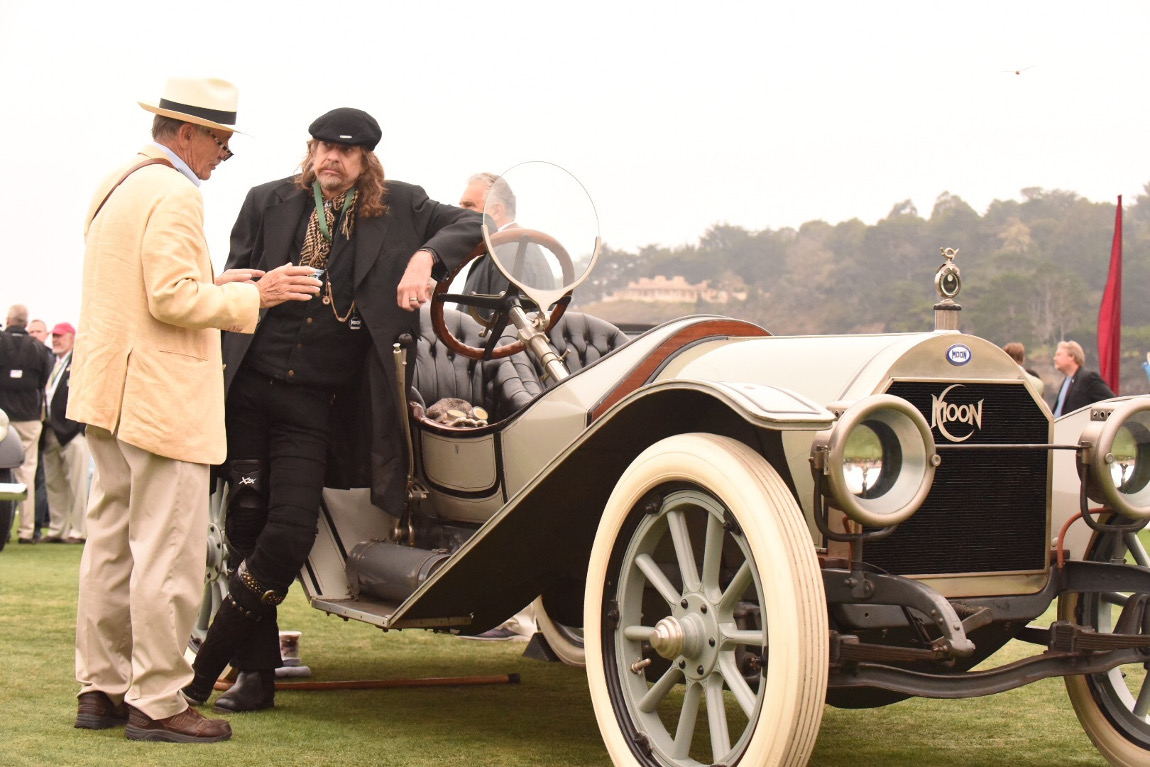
96	711
188	726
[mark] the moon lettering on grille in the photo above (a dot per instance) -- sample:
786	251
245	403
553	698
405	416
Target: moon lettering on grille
943	413
959	354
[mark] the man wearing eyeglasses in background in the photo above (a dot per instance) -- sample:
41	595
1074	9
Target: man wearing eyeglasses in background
147	380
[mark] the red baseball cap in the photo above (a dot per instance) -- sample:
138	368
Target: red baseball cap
62	328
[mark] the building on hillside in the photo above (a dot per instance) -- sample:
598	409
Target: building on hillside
674	290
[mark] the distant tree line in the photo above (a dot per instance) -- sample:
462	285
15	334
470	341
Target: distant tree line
1033	271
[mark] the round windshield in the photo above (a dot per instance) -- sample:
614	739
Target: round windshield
547	227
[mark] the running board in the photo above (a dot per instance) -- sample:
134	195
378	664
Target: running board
379	614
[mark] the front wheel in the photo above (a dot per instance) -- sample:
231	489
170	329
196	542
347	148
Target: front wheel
705	619
1113	707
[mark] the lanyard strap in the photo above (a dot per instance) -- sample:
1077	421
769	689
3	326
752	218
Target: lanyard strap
321	218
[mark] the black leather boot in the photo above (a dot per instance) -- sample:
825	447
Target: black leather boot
231	628
253	691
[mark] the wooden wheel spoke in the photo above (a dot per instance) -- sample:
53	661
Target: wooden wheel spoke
684	551
739	584
688	716
638	633
742	637
659	690
650	568
1137	550
712	554
1142	705
738	686
717	719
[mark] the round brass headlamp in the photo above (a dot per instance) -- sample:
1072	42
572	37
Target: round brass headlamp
879	460
1116	447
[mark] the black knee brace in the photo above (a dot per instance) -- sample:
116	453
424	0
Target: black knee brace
247	508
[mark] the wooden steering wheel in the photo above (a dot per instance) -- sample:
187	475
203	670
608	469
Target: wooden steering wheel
501	305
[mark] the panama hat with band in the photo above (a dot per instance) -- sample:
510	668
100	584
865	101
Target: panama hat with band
200	101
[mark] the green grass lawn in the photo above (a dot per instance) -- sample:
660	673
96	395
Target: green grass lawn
544	720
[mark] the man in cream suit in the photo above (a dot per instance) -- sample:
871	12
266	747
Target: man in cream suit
147	380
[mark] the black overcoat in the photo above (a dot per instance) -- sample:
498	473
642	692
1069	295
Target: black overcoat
56	420
1086	388
368	449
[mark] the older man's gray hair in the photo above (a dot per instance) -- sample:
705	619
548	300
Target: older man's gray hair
498	190
17	316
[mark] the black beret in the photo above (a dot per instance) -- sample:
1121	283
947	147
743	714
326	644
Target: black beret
345	125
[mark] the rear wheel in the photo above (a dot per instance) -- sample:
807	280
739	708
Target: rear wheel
1114	707
215	569
706	624
565	641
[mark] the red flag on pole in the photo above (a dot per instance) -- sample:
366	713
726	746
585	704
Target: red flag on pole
1110	312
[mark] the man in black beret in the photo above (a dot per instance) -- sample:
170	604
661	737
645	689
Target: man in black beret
310	396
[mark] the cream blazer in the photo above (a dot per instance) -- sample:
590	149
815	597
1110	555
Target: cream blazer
146	364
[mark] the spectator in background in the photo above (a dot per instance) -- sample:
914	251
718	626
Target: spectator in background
38	330
25	365
1081	387
65	449
486	192
490	194
1017	353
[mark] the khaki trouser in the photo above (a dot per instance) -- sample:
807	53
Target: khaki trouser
29	432
141	575
66	479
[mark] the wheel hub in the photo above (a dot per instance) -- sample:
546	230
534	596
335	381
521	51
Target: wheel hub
689	637
217	552
668	638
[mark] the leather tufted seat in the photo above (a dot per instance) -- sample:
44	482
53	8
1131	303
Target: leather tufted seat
440	372
579	339
503	386
582	339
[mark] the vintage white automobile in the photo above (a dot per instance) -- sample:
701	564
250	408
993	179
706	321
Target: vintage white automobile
731	529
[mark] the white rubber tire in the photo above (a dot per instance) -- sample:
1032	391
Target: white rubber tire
1111	742
564	647
793	606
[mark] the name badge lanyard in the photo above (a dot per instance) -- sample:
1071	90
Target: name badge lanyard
321	219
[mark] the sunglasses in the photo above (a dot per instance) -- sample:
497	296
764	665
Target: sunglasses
228	154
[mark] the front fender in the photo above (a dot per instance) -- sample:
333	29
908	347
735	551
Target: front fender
541	538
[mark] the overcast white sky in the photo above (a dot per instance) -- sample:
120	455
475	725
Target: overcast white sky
675	116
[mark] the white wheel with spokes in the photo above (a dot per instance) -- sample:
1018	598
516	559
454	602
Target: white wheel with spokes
705	619
215	568
1114	707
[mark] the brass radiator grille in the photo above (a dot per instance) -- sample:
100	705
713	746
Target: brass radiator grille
987	509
